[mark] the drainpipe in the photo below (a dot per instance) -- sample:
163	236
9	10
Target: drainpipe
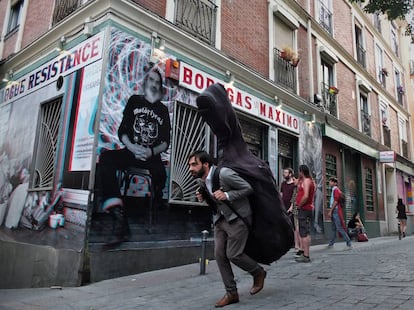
310	61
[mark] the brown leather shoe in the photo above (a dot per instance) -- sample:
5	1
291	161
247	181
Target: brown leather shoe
258	282
228	298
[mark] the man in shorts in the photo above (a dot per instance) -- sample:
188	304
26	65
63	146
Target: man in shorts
304	202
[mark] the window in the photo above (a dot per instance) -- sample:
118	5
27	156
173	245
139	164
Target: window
399	90
365	115
386	132
197	17
328	87
331	171
285	57
403	136
46	145
15	13
377	21
394	40
382	72
325	15
64	8
360	46
369	190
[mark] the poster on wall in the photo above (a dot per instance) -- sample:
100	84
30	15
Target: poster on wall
83	138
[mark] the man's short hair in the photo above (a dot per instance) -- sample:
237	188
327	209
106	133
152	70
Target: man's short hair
333	179
203	156
290	170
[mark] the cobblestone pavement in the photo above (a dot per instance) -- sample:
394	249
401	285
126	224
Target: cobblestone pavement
378	274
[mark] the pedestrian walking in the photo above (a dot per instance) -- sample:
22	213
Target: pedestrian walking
401	211
220	189
335	213
293	209
304	201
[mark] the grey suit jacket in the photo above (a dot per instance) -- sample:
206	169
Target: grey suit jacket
238	191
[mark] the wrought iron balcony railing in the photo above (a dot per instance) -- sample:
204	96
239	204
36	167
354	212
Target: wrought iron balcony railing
382	78
329	100
361	55
404	146
325	17
64	8
386	132
285	73
197	17
366	122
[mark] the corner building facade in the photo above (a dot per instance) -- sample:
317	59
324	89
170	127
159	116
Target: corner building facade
296	82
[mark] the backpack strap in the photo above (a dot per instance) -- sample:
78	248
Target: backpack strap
216	186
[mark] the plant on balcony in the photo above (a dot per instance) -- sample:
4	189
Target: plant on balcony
287	53
384	71
332	90
400	90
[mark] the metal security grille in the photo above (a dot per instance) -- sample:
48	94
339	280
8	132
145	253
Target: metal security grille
189	134
47	139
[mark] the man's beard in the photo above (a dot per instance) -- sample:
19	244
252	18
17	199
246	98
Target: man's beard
200	173
152	95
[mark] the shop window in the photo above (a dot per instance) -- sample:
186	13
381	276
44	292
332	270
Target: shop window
190	133
253	136
15	14
369	190
330	171
46	145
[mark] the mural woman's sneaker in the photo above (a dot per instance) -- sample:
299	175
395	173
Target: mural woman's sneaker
119	227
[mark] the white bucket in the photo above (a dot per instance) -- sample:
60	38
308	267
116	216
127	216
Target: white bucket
54	221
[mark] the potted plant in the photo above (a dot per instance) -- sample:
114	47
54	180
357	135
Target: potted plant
400	90
333	90
384	71
287	53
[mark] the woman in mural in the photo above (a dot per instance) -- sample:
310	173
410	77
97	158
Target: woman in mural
145	133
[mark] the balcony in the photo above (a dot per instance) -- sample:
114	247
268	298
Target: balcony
325	17
285	73
197	17
64	8
404	148
366	123
329	101
387	135
382	78
361	55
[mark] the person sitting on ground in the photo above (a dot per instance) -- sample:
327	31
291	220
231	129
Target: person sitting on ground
355	226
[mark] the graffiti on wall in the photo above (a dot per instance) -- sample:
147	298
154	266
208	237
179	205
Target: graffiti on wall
310	154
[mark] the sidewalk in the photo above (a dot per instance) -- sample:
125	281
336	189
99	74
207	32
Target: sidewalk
377	274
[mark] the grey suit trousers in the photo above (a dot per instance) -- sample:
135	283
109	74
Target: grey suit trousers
230	241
